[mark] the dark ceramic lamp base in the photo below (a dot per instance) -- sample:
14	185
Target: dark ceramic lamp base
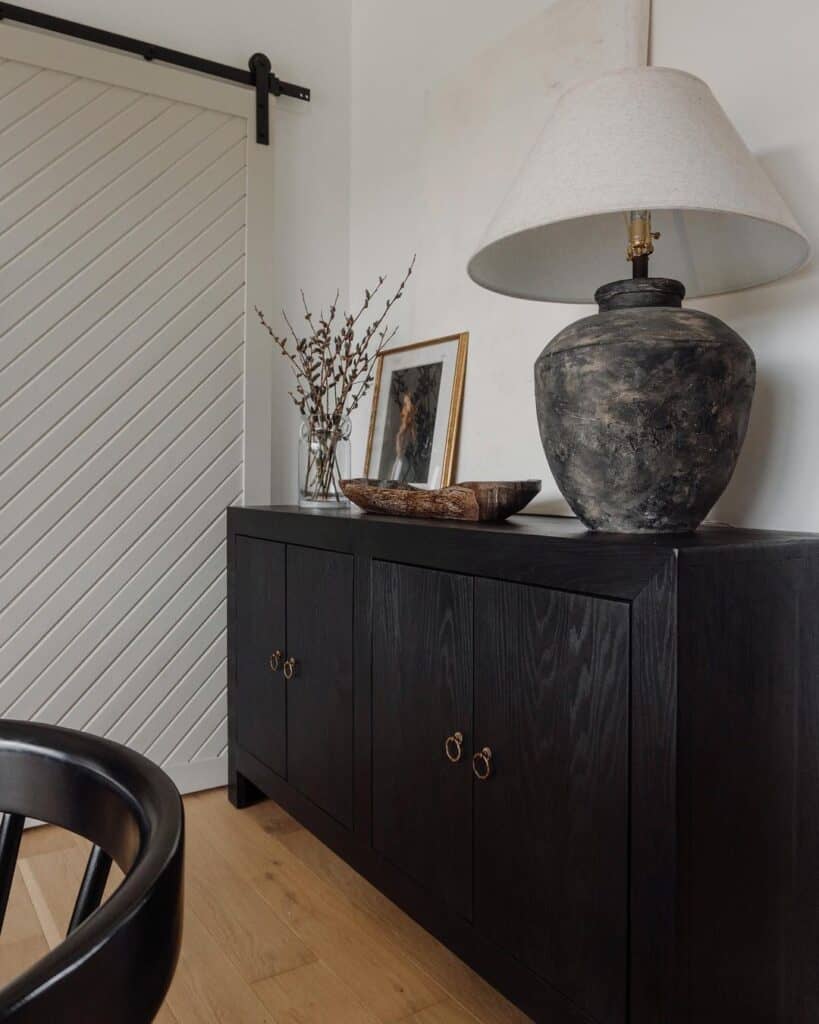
643	409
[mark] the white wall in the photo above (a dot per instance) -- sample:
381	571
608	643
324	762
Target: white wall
758	58
399	53
308	42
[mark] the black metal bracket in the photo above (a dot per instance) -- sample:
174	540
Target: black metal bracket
259	65
258	77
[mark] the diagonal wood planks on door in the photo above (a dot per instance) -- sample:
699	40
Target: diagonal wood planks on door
136	233
278	930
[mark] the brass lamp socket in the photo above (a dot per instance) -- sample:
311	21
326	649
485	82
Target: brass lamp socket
641	237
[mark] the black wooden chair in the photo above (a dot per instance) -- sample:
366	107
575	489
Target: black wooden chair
118	959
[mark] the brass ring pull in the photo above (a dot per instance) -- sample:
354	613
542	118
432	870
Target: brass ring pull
276	661
482	764
453	747
289	668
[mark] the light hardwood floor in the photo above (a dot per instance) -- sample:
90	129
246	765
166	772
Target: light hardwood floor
277	929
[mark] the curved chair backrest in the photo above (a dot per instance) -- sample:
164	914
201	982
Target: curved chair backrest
118	959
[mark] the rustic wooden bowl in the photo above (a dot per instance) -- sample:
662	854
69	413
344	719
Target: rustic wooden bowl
477	501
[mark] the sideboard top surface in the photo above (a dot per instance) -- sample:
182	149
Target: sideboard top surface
554	528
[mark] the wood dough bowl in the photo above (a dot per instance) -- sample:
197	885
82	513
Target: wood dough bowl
478	501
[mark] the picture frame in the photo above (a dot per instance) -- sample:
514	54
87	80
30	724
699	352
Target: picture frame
416	411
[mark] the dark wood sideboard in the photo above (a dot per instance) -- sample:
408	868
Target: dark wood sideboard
645	848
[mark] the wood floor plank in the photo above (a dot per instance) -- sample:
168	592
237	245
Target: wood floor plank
22	942
389	984
258	942
273	820
114	882
304	996
463	984
165	1015
359	950
444	1013
53	881
207	988
45	839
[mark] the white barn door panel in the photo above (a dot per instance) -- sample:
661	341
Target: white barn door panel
135	391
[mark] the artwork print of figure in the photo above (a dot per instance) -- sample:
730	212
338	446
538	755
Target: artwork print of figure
416	412
410	428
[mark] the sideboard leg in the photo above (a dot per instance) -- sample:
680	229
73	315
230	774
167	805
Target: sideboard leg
242	792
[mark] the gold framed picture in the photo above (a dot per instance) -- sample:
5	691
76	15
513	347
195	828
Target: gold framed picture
416	411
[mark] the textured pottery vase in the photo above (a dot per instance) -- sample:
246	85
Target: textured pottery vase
643	409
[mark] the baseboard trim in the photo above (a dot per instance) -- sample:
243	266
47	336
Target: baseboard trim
192	776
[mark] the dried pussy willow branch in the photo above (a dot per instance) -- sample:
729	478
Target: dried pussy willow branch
333	370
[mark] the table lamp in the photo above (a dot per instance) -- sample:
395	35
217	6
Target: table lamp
643	407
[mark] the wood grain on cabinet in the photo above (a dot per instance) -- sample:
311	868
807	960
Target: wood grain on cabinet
261	630
551	822
422	694
654	993
750	779
320	694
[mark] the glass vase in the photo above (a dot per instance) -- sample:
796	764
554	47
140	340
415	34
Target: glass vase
324	461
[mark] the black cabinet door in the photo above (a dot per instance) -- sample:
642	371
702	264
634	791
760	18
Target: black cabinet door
320	694
551	703
422	693
260	627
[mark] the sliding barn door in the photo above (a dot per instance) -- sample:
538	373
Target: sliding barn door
128	415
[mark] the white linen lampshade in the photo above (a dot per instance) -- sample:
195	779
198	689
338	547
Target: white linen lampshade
639	138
